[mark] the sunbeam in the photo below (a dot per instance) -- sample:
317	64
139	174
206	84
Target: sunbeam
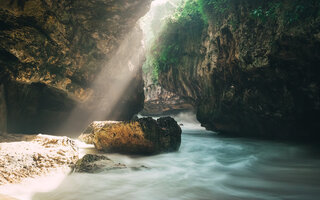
116	82
159	99
112	88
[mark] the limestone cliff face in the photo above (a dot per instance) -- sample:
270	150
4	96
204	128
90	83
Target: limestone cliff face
51	52
159	101
252	74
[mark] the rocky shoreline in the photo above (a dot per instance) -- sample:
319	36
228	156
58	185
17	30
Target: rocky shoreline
32	156
39	155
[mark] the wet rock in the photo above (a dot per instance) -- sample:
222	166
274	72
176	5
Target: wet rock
43	154
142	136
138	168
170	132
91	163
88	134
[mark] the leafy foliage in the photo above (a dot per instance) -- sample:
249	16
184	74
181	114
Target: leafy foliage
220	6
186	24
270	12
290	13
184	29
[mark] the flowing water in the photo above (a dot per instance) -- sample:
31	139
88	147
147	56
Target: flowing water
206	167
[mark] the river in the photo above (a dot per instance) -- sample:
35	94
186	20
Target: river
207	166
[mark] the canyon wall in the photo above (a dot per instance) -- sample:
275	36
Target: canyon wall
3	111
158	101
252	67
51	53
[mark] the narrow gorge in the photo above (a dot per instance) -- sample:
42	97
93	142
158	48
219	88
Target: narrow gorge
250	68
159	99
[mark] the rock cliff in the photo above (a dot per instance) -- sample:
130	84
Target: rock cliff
250	66
158	101
3	112
52	52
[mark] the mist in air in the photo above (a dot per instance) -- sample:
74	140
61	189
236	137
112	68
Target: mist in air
117	79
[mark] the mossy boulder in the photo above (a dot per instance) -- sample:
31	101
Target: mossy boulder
142	136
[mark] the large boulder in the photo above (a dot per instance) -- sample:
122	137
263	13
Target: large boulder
141	136
43	154
88	134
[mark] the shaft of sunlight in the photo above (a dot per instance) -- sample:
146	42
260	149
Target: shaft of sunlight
112	86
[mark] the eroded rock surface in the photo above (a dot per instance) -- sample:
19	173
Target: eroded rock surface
88	134
158	101
142	136
250	74
52	52
41	155
93	163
